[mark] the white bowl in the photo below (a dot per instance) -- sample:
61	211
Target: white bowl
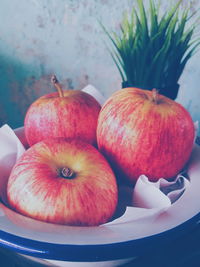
106	245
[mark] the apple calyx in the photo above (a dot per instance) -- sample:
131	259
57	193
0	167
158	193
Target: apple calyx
57	85
66	173
155	95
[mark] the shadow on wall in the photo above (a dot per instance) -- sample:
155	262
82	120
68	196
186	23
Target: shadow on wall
21	84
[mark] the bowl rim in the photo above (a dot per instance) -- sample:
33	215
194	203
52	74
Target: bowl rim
95	253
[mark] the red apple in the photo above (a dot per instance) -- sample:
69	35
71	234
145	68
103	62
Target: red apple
63	182
143	132
69	114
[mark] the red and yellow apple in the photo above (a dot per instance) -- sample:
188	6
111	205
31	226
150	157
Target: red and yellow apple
66	113
143	132
63	182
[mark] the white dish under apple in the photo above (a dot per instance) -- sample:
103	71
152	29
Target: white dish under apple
109	244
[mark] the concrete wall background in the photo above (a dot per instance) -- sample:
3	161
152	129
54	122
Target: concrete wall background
42	37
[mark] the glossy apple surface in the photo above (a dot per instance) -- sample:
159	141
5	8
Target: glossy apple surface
74	115
63	182
142	132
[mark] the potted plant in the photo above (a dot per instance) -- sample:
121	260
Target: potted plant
151	50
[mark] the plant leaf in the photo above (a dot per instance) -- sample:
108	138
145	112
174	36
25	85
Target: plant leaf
152	51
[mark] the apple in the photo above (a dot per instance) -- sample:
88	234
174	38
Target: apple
63	182
143	132
65	113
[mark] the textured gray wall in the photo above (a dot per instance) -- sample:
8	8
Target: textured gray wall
41	37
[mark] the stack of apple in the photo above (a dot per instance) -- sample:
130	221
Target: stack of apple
81	153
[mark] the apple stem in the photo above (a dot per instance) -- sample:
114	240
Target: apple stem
66	173
57	85
155	95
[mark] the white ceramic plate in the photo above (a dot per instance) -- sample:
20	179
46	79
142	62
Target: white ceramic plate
107	242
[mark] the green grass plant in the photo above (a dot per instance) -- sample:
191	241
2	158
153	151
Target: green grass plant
151	50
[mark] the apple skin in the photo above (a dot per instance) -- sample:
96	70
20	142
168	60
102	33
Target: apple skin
72	116
143	132
37	189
